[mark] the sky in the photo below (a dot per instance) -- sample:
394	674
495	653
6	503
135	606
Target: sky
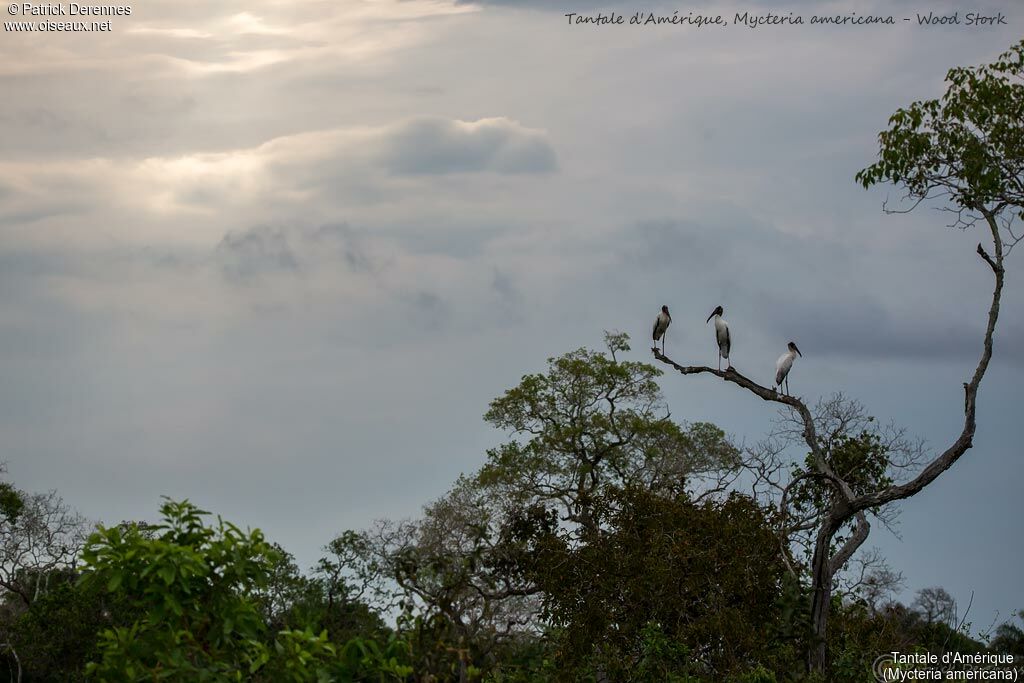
278	256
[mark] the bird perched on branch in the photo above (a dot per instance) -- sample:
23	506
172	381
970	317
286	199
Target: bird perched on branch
661	324
784	364
721	336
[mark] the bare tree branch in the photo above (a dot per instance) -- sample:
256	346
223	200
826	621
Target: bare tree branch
965	440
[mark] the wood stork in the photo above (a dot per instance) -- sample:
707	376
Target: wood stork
721	336
784	364
661	324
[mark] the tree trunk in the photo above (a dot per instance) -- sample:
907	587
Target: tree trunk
821	599
17	660
823	569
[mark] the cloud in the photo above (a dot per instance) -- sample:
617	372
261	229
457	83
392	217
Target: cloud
434	146
243	256
426	310
357	164
340	238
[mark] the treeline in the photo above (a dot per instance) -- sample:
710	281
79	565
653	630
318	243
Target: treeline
603	541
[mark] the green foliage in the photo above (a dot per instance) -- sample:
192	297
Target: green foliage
56	635
969	143
522	659
756	675
793	630
324	601
662	658
197	591
11	502
670	586
301	656
592	420
193	584
366	660
859	635
862	460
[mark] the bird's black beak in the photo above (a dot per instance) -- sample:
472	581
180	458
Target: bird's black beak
797	351
709	318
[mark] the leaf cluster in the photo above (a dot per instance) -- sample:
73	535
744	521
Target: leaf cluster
967	144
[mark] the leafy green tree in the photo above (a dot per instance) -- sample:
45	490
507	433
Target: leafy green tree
671	590
196	590
593	420
57	635
194	586
966	147
11	501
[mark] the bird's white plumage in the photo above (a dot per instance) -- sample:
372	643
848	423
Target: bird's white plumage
783	366
722	336
661	324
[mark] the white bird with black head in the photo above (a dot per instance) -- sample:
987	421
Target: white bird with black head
661	324
721	336
784	364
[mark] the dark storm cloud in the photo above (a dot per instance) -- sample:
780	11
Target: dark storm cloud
435	146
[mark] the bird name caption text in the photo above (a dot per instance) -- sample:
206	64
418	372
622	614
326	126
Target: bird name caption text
949	666
755	20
